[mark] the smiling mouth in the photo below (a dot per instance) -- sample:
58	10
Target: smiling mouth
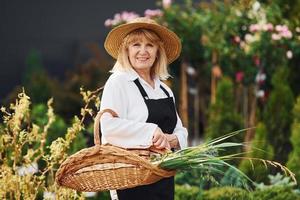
142	59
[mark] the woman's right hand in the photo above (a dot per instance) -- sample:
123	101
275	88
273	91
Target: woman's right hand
160	140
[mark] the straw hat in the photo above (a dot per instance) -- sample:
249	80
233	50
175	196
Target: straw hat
170	40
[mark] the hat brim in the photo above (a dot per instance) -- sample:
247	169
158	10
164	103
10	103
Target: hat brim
170	40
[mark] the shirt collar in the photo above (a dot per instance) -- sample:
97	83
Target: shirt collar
133	75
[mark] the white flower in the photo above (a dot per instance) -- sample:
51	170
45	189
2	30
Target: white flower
89	194
260	93
249	38
289	54
30	169
260	77
193	91
190	70
49	195
256	6
166	3
238	13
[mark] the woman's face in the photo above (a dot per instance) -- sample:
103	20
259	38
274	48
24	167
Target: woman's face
142	54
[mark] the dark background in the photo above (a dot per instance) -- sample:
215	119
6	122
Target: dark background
58	30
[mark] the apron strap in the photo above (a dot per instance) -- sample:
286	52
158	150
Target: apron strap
143	92
165	91
141	89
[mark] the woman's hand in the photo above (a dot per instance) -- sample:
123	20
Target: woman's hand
173	141
160	140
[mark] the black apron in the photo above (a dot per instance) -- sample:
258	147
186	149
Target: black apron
163	113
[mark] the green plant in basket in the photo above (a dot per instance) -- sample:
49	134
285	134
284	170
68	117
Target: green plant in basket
206	158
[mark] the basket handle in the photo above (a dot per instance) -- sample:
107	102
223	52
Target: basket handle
97	131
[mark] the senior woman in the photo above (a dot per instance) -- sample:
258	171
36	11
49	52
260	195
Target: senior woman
145	105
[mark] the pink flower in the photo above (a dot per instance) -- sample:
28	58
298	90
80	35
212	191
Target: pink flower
108	23
268	27
281	28
256	60
166	3
254	28
128	16
237	39
120	18
239	76
286	34
276	36
153	13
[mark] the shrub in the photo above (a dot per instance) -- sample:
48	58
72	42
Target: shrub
222	117
28	164
186	192
226	193
275	193
277	115
256	170
294	157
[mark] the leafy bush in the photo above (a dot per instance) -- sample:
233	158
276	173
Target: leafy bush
222	117
28	164
277	115
185	192
276	193
256	170
235	179
226	193
294	157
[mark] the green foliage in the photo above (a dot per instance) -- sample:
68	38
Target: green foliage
58	127
190	177
186	21
28	160
277	115
260	148
186	192
275	181
222	116
226	193
276	193
294	157
234	179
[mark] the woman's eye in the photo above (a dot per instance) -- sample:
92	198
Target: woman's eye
136	44
150	45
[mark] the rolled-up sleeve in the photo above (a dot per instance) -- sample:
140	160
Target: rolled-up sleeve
181	134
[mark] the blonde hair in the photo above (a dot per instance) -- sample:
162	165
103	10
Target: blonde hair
160	65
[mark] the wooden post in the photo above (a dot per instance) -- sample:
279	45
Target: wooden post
183	106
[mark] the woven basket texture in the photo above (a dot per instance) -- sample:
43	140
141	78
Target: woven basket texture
107	167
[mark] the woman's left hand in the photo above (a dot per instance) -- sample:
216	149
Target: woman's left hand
160	140
173	140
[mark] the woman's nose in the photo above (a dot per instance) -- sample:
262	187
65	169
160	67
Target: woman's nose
143	49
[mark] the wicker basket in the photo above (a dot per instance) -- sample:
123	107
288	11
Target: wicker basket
107	167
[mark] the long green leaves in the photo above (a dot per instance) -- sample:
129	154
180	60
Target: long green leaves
206	158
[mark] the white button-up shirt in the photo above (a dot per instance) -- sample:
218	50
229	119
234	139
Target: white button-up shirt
131	130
